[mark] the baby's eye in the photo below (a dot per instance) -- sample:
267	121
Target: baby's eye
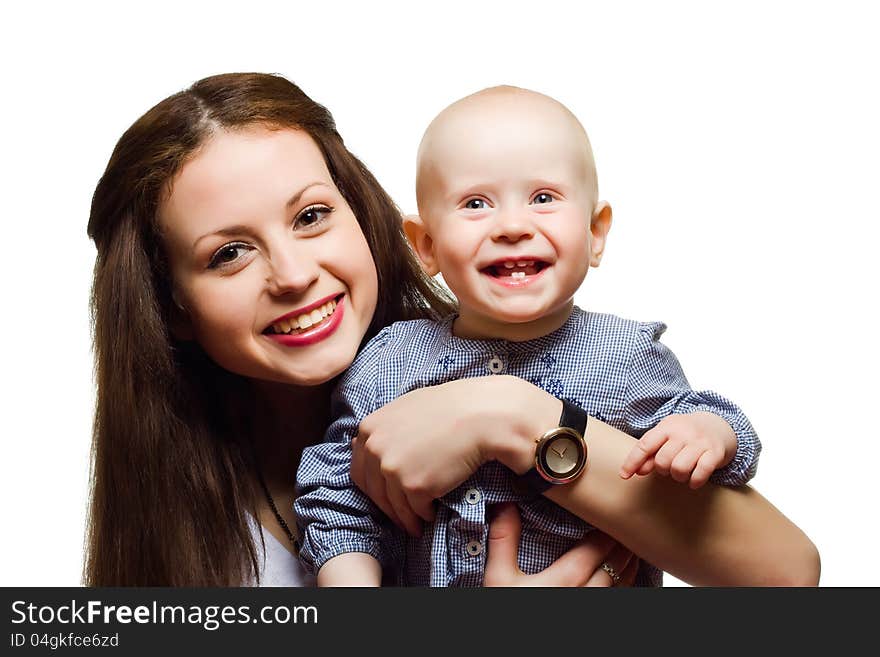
543	197
312	216
476	204
228	254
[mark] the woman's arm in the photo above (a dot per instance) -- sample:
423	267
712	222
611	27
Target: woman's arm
711	536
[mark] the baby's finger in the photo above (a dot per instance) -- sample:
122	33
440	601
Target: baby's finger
644	449
705	467
684	462
664	457
647	467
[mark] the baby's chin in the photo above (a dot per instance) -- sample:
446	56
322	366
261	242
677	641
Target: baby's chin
513	321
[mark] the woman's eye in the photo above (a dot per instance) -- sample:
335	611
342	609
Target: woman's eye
476	204
227	254
543	197
312	215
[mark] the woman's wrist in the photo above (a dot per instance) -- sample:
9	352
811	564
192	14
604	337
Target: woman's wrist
519	413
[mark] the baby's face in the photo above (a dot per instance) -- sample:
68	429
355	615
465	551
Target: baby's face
506	195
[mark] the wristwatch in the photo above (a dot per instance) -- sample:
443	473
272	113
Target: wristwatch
560	454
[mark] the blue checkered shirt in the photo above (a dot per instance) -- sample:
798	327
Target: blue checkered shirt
615	369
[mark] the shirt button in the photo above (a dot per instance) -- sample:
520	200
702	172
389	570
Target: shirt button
474	548
495	365
473	496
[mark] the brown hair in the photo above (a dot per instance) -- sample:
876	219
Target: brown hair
170	482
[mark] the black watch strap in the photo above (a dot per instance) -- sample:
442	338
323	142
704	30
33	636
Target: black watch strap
572	416
531	482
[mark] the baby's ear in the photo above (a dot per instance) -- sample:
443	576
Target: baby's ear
421	242
600	224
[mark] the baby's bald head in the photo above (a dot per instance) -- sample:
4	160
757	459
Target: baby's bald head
500	122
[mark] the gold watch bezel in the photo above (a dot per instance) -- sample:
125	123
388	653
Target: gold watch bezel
543	443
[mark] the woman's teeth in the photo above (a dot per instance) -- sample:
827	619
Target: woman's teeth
306	320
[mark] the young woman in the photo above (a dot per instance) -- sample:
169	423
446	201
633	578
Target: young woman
244	255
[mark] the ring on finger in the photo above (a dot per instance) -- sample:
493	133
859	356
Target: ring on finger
613	574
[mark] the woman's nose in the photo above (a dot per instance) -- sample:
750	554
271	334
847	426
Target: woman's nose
512	227
291	272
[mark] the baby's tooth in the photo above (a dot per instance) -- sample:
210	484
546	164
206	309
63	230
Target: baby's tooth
305	321
509	265
518	274
521	263
316	316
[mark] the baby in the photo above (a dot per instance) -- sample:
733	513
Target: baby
509	214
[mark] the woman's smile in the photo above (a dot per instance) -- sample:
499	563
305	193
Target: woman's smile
307	326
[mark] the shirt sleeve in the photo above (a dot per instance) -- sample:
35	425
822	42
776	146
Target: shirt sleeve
333	515
656	387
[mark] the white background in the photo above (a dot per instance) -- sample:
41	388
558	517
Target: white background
738	145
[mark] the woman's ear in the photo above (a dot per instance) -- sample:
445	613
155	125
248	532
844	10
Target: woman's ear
600	224
179	322
421	242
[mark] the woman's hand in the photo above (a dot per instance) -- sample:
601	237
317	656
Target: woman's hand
413	450
580	566
425	443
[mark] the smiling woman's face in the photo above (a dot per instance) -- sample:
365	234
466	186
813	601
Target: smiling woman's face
269	264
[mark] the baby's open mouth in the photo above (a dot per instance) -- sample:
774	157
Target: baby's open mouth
515	268
303	322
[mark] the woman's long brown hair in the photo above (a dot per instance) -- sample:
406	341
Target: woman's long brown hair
170	481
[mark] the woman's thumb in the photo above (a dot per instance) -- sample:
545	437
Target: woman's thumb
501	560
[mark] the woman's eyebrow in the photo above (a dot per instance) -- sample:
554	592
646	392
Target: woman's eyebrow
240	228
296	197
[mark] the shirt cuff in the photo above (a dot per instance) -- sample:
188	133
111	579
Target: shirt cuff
314	561
744	463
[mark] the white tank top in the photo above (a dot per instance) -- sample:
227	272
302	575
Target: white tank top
278	566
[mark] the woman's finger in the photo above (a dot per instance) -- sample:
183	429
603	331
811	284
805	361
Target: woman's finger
422	505
356	471
579	564
409	521
374	488
501	559
628	576
616	562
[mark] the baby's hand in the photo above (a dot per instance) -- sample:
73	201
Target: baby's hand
686	447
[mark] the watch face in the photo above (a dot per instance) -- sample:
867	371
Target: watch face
561	456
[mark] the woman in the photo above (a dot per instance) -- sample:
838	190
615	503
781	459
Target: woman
225	213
